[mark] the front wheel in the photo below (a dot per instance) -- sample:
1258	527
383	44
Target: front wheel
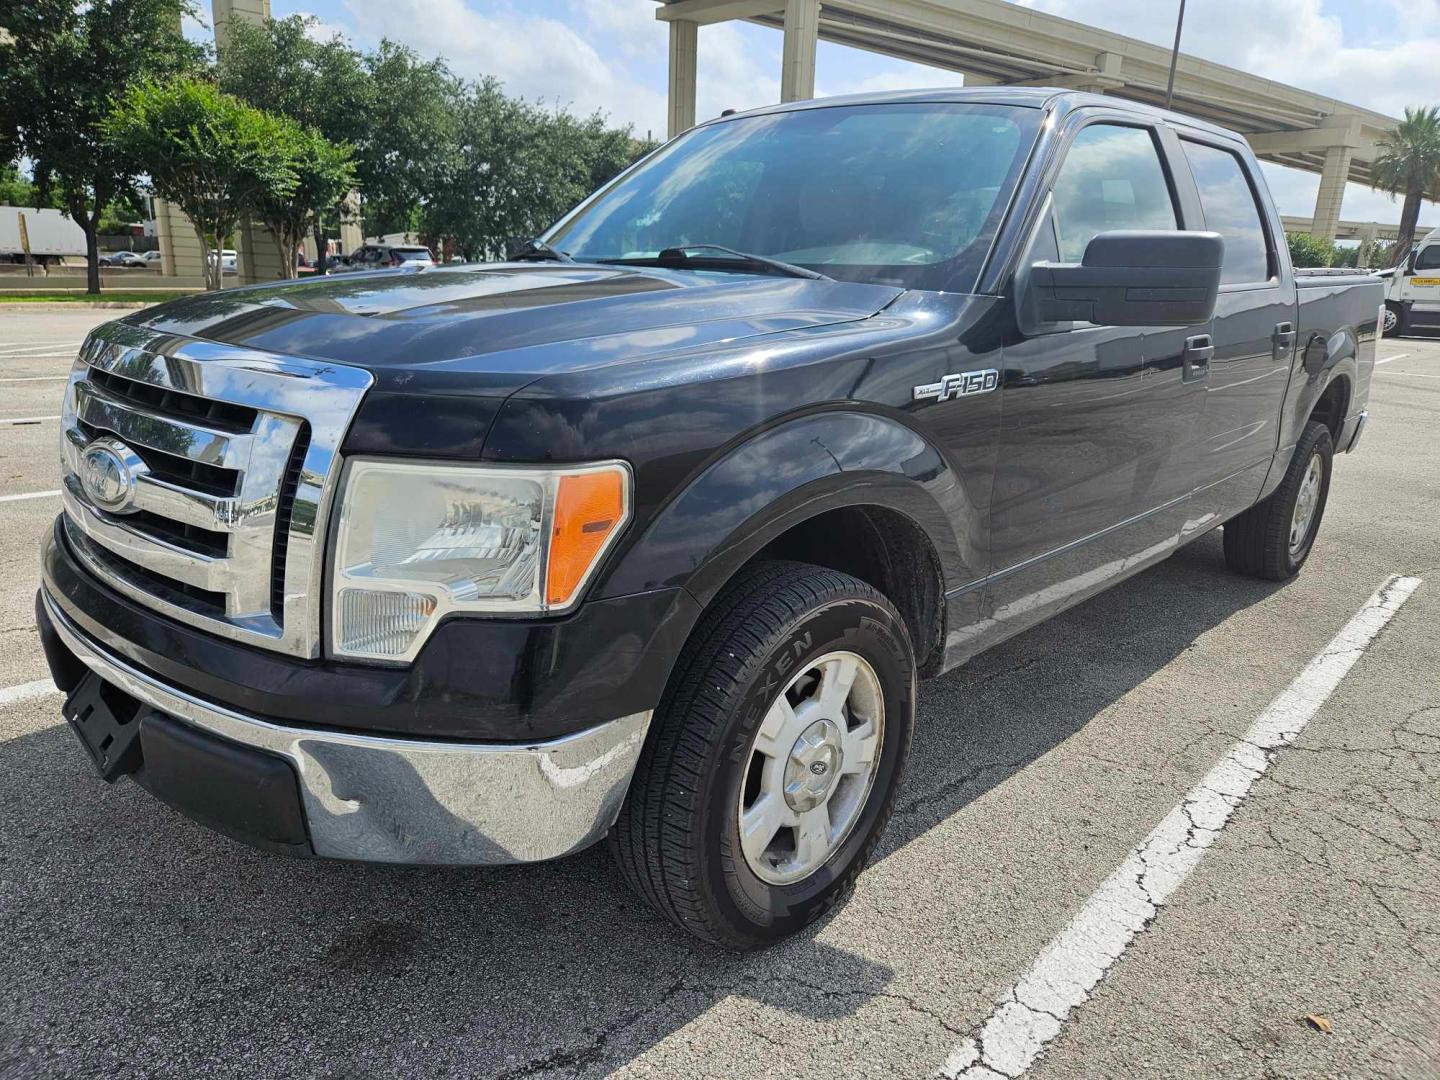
771	768
1274	537
1393	321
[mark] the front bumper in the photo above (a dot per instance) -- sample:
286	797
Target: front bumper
372	798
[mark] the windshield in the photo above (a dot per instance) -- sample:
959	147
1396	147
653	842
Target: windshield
412	254
898	194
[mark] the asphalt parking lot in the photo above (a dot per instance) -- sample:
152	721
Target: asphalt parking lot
136	943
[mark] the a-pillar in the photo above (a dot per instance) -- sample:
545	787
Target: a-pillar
797	62
684	42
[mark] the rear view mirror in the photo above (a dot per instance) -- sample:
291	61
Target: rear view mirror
1133	279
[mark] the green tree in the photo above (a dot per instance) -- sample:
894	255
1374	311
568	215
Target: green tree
410	129
277	66
323	174
209	153
1311	251
514	168
1408	164
65	64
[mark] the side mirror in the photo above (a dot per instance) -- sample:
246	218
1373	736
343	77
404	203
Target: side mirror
1133	279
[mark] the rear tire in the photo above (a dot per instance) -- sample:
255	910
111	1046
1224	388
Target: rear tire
1274	537
797	687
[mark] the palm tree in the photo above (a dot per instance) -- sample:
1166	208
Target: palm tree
1409	163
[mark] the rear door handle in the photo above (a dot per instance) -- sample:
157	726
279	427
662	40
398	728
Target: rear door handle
1199	350
1283	340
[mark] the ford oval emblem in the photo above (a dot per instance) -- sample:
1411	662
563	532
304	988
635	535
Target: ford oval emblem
109	471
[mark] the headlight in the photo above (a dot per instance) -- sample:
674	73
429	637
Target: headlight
418	541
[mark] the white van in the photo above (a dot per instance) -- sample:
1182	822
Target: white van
1412	289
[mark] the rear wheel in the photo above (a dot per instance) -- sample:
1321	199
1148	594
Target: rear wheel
1274	537
771	767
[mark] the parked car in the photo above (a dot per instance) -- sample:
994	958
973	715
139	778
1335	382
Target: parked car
652	537
1412	289
383	257
229	260
129	259
152	259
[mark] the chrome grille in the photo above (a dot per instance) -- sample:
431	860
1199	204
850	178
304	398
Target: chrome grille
239	452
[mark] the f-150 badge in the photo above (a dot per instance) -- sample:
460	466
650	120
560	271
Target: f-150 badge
959	384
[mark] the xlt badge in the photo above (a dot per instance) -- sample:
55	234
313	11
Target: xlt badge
959	384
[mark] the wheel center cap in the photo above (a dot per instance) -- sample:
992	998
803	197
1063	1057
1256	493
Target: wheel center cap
813	766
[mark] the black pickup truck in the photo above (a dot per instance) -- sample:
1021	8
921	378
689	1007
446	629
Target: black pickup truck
652	531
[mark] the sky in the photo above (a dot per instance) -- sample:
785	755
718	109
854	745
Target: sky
611	55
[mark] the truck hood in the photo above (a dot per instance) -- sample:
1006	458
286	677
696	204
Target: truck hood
488	330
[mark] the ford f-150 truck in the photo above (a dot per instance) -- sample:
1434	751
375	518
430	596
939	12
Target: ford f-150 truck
652	531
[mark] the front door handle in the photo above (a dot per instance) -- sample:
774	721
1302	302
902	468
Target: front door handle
1283	340
1199	350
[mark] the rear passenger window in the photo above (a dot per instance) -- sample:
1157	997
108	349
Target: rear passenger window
1230	209
1111	179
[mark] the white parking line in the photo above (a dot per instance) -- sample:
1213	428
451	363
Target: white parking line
55	347
25	419
37	378
26	691
1409	375
1390	359
1033	1011
29	495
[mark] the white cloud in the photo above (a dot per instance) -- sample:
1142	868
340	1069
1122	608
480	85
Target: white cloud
536	57
612	55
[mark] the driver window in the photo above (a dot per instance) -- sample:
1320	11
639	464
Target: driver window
1111	179
1429	258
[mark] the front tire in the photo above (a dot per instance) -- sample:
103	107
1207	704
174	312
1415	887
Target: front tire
1394	322
1274	537
772	763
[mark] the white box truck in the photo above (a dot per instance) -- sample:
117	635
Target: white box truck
52	236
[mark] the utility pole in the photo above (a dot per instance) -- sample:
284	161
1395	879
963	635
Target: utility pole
1174	56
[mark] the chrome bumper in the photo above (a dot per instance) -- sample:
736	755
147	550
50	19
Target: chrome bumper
379	799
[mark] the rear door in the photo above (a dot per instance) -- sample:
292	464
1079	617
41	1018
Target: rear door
1254	334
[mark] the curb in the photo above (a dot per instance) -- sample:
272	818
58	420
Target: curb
77	305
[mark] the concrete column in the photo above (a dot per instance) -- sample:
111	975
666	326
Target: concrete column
180	252
684	40
222	11
352	233
258	257
972	79
1332	191
797	64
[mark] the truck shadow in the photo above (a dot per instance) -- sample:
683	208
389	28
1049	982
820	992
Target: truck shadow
139	938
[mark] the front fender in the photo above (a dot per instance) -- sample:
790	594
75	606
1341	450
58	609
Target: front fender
759	488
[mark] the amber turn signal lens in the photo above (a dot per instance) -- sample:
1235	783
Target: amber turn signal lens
589	507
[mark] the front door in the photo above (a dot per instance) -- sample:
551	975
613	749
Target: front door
1421	286
1085	485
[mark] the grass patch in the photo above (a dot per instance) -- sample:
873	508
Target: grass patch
156	296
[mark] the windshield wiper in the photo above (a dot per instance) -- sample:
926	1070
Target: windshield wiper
681	256
535	248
